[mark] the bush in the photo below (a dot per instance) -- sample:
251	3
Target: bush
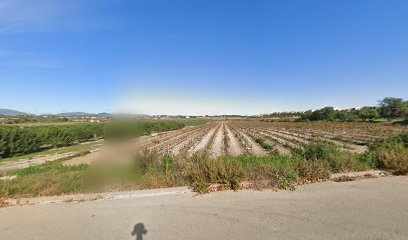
395	157
314	170
391	154
270	171
203	171
318	151
336	159
286	171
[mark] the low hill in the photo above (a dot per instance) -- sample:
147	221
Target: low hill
80	114
10	112
72	114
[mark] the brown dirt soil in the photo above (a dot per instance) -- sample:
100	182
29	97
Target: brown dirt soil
234	147
254	148
201	146
217	147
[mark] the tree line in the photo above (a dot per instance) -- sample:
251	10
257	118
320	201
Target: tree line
15	140
388	108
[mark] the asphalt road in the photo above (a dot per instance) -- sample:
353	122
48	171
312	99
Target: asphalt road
363	209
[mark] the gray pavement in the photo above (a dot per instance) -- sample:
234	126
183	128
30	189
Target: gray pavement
364	209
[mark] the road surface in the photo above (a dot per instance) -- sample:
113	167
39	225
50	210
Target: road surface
364	209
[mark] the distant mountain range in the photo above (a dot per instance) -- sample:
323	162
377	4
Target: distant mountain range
71	114
10	112
75	114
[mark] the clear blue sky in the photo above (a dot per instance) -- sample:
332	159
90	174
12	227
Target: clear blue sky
201	56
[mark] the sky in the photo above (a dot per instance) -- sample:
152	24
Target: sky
196	57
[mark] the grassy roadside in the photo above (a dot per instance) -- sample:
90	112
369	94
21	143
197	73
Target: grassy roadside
315	163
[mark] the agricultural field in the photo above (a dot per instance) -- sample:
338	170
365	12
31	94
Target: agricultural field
277	155
240	137
247	137
215	139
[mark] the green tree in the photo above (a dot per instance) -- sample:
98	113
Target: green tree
368	113
393	107
327	113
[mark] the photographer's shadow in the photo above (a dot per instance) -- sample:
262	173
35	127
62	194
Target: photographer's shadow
139	230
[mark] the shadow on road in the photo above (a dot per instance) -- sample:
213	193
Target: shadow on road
139	230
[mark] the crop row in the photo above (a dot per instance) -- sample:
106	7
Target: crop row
263	138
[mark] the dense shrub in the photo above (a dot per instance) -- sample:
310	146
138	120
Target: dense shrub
393	107
391	153
270	171
314	170
336	159
14	141
286	171
395	157
389	108
202	171
318	151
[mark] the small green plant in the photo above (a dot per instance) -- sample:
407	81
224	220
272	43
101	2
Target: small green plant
265	145
318	151
168	163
